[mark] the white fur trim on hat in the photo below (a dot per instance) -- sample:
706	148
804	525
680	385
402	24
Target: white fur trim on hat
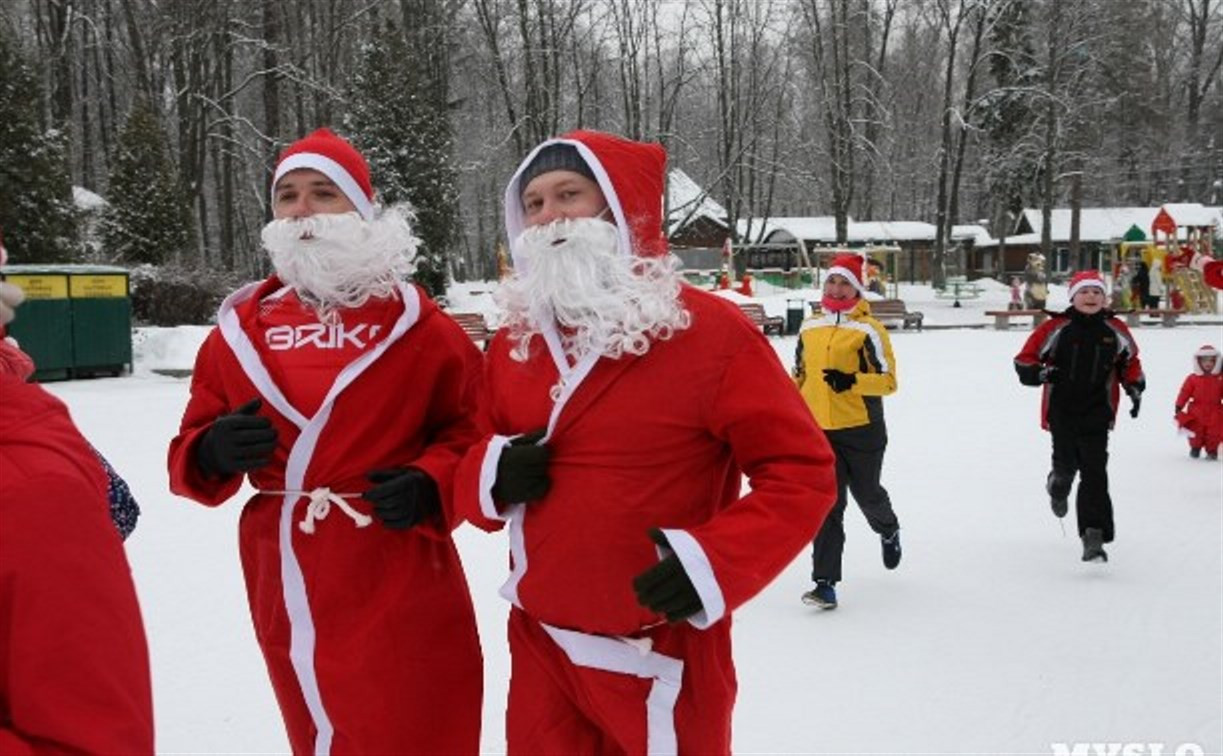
332	170
1086	282
849	276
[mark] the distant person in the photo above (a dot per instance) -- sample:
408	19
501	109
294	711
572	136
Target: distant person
346	397
74	665
1142	285
623	409
1016	302
1199	404
1156	289
1082	358
844	366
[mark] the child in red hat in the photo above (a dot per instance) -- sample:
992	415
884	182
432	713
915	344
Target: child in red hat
1081	359
1199	405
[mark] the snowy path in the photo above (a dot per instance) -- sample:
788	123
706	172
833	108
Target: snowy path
992	637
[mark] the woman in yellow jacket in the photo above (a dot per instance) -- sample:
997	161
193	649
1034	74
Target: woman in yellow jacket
844	367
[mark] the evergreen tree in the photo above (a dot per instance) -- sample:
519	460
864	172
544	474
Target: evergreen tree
36	210
407	139
1007	112
148	221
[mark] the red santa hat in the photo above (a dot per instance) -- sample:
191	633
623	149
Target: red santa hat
1207	350
1085	278
849	266
330	155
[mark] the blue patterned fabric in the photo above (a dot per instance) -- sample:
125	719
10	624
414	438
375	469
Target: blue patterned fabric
124	510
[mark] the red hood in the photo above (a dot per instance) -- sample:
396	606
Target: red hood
631	176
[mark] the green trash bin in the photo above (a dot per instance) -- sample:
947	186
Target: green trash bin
794	315
76	320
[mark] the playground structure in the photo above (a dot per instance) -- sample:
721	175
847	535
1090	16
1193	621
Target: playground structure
1173	256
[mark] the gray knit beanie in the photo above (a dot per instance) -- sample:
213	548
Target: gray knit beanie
555	157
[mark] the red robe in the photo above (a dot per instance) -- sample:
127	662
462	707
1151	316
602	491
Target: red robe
368	633
656	441
74	667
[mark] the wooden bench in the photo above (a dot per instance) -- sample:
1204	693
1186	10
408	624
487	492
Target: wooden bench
767	323
474	325
1002	318
894	311
1167	316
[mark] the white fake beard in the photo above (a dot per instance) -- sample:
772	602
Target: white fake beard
340	260
603	300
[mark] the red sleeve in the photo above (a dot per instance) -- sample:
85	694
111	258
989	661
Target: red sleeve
1186	393
78	670
471	474
788	463
1131	369
1030	353
452	420
206	404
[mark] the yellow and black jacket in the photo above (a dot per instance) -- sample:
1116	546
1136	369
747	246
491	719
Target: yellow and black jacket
852	342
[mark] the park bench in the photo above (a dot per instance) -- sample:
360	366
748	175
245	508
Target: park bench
1002	318
474	325
1167	316
893	311
767	323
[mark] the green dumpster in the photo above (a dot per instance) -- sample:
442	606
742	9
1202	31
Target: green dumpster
76	320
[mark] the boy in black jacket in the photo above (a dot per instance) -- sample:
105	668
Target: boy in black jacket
1082	358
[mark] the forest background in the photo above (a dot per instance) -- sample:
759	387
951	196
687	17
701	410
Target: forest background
944	111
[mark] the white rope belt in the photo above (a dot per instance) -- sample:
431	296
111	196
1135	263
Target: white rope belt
319	507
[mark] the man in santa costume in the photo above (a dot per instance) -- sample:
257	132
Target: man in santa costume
1082	358
622	408
346	397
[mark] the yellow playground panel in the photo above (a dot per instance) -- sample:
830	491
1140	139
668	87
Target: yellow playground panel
1198	297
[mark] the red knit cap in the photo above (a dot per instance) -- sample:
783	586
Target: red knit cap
1085	278
327	153
849	266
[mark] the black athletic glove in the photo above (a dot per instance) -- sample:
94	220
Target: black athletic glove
1134	391
402	496
839	381
665	588
522	471
1050	374
239	442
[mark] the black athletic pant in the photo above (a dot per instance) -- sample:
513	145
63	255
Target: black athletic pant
859	462
1085	452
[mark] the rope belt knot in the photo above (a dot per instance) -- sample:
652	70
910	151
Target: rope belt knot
319	507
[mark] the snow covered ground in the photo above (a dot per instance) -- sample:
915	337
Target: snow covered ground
991	637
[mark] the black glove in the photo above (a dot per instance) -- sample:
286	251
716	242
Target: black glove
522	471
839	381
1050	374
1134	391
665	588
238	442
402	496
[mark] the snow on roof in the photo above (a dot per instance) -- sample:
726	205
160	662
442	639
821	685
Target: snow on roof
686	202
978	233
86	200
818	228
1106	223
823	230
